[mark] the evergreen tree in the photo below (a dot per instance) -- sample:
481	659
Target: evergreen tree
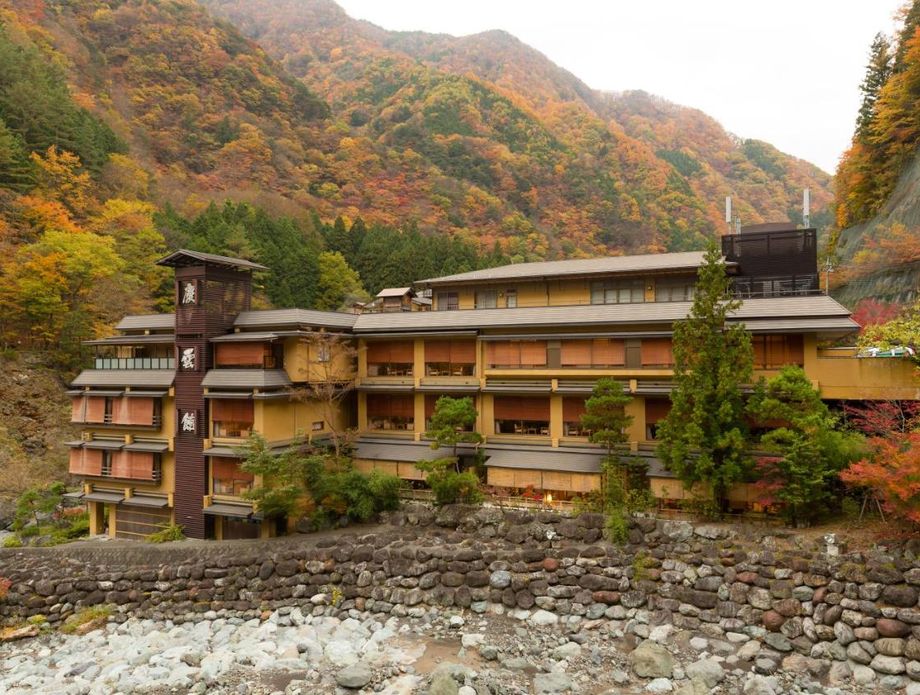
703	438
16	169
453	422
808	451
605	416
877	72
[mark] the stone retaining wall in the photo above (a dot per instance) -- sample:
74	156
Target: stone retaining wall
791	595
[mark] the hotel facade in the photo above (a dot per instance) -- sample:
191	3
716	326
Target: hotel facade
172	398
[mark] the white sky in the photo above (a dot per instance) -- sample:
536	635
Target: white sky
784	71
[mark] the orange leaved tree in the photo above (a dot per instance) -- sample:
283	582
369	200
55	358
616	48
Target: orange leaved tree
892	471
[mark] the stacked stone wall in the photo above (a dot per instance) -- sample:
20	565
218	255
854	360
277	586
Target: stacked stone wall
792	595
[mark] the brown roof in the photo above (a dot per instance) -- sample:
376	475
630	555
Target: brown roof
685	260
184	257
125	377
146	322
814	306
294	317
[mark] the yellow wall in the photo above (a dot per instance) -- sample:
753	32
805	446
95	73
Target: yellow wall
301	360
280	420
839	374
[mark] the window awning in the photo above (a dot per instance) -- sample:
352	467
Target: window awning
146	501
101	392
151	447
225	452
75	444
572	462
239	395
387	388
106	444
103	496
245	338
270	395
75	495
145	394
449	388
233	511
520	387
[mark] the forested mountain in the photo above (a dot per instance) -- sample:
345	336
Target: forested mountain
131	127
585	172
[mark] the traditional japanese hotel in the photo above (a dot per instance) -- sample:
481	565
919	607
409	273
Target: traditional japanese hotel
171	399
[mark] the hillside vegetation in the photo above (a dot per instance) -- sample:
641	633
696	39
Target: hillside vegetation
877	203
575	170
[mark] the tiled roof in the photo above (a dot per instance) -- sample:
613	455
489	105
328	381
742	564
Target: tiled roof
246	378
184	257
294	317
125	377
814	306
394	291
146	322
686	260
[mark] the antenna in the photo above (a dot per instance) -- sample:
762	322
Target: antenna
728	213
806	205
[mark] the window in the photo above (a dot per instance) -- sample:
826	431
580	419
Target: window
657	352
232	418
522	415
618	291
249	354
450	357
390	358
572	409
318	426
516	354
511	299
323	353
486	299
227	478
656	410
109	408
448	301
599	352
106	463
774	351
390	412
674	290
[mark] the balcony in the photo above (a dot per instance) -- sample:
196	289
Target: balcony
134	363
842	374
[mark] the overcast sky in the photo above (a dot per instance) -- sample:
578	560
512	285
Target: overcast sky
784	71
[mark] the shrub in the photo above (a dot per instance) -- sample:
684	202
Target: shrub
450	486
12	542
385	489
167	533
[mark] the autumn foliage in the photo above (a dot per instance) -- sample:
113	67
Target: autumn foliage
892	471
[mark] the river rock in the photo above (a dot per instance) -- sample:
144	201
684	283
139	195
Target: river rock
354	677
651	660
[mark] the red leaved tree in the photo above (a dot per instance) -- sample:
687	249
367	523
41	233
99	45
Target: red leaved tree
892	471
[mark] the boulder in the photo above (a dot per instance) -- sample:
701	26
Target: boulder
707	670
354	677
551	683
651	660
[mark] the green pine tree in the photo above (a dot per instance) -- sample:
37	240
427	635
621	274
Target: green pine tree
704	437
877	72
808	450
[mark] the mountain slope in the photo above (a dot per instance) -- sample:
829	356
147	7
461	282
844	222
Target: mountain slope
877	204
612	182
